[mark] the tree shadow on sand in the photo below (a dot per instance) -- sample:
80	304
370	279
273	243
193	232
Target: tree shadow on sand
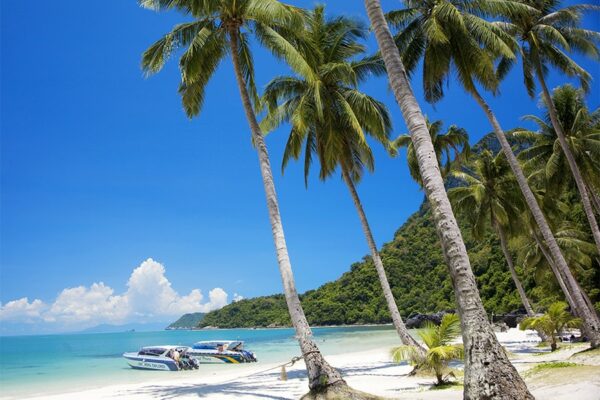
266	385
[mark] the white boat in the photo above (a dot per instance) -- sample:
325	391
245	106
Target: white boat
221	351
156	358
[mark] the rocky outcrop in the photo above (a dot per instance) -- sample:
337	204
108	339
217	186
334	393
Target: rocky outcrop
415	321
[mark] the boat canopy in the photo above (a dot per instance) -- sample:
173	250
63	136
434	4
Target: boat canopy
214	344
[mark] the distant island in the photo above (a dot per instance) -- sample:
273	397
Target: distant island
187	321
131	327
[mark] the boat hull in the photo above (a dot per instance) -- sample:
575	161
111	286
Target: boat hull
151	363
217	358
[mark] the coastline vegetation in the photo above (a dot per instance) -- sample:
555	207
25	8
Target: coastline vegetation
508	209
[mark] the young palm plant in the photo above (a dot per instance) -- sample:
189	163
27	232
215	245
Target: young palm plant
330	117
489	197
553	323
582	131
440	349
451	35
488	372
221	28
454	140
544	36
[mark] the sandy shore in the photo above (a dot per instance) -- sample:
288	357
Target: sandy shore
371	372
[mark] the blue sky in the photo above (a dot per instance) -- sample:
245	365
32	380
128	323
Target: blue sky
101	169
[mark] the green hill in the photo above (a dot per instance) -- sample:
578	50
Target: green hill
417	274
418	277
187	321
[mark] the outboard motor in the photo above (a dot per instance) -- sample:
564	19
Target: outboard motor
248	356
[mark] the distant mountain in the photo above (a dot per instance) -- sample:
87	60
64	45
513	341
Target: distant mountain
138	327
187	321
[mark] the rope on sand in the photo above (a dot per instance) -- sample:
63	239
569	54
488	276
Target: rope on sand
283	376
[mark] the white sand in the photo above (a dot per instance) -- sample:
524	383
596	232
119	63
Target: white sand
371	372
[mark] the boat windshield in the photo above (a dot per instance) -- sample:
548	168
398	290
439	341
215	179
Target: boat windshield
154	351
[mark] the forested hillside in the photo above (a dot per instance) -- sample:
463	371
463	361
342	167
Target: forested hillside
418	277
187	321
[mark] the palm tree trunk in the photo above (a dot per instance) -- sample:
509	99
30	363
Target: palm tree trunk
320	373
583	193
563	286
513	273
385	286
595	199
554	269
588	315
488	372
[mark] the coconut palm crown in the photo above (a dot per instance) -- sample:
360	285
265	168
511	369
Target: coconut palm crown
329	116
452	35
207	40
582	130
455	141
546	34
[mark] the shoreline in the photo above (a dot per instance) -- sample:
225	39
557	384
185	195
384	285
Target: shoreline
371	371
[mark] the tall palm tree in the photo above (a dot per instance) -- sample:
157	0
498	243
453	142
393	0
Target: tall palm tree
489	196
330	117
488	372
582	132
543	35
452	35
454	140
220	28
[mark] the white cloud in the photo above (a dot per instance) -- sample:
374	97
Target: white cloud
22	310
237	297
149	296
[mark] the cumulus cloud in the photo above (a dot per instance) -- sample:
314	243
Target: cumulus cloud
237	297
149	296
22	310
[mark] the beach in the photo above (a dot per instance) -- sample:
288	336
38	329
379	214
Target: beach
370	371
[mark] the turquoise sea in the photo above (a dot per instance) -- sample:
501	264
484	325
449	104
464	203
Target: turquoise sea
35	365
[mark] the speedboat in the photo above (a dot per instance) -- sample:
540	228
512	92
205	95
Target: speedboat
160	358
221	351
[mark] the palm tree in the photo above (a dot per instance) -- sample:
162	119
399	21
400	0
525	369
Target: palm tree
330	117
440	349
574	244
552	323
454	140
452	35
220	28
582	131
490	197
488	372
543	35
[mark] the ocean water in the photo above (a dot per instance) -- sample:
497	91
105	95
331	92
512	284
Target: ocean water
35	365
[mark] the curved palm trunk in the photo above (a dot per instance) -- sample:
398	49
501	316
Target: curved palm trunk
488	372
320	373
513	272
385	286
587	314
554	269
583	193
595	199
